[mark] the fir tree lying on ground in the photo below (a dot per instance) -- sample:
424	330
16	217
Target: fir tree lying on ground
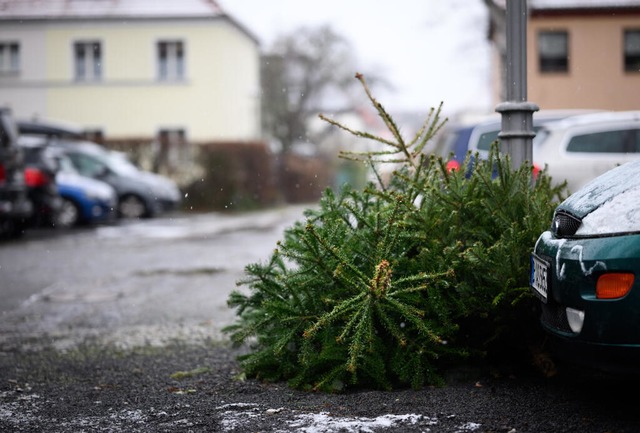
388	286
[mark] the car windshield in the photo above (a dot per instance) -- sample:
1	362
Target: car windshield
541	135
485	140
65	164
97	156
119	163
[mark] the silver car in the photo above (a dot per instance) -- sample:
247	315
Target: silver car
580	148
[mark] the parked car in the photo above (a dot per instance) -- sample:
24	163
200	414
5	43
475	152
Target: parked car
583	270
478	134
41	168
15	206
579	148
141	194
49	128
84	200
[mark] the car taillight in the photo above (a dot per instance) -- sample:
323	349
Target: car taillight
536	171
3	174
453	165
34	177
613	285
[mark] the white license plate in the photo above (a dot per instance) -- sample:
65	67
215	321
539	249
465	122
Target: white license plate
540	276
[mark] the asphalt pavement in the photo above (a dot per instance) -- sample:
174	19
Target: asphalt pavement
118	329
133	282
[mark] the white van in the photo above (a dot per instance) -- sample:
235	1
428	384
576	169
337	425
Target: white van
579	148
477	135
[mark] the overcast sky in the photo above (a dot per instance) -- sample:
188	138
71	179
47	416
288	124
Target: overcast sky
431	50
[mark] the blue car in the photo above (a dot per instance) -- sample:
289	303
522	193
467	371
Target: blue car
84	200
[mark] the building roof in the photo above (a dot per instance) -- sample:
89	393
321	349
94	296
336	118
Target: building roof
106	9
582	4
551	5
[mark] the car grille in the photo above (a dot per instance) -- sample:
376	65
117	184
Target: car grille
565	224
554	317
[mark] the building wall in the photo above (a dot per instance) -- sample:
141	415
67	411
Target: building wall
218	100
26	93
596	77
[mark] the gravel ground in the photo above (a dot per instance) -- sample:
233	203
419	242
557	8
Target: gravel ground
198	388
129	343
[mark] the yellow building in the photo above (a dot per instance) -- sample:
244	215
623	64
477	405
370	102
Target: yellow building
132	69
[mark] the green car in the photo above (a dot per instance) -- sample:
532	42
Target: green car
583	271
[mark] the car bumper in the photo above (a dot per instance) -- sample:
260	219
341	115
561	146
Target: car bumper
574	268
609	358
162	205
14	206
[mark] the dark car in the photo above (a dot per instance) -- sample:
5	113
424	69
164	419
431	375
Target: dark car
15	206
38	128
41	168
584	268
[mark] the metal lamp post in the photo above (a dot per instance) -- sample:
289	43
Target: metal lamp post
517	113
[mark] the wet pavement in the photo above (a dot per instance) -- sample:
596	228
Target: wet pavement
135	282
158	289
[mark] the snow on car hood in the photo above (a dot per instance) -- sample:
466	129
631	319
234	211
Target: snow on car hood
609	203
618	215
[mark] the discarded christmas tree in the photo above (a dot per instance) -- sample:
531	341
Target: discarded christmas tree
388	286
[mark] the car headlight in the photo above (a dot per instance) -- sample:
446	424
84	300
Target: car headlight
564	224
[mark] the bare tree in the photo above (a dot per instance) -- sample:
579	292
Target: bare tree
306	72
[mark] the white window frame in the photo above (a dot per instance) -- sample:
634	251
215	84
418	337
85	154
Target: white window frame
90	66
173	149
9	57
171	60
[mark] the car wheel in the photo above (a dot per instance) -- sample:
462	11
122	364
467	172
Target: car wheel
68	214
131	206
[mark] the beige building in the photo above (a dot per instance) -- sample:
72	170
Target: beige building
580	54
167	70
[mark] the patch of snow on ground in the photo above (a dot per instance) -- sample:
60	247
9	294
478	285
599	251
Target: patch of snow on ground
325	423
205	225
232	419
233	416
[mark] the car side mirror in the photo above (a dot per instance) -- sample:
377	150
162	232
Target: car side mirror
102	173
